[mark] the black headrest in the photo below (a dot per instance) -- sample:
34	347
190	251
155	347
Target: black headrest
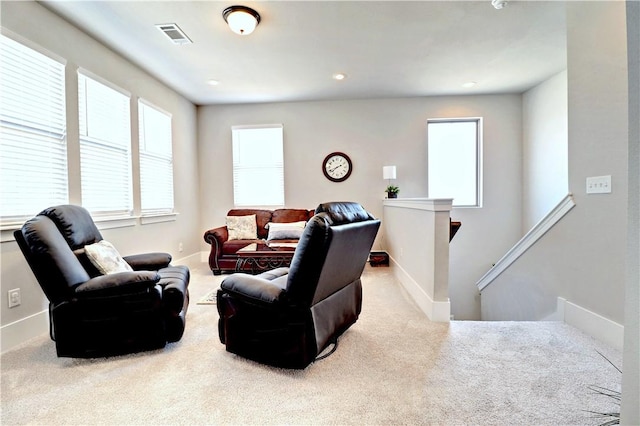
339	212
75	224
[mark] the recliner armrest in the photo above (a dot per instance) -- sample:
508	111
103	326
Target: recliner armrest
148	261
267	287
120	283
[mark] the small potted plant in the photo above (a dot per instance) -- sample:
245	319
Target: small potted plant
392	191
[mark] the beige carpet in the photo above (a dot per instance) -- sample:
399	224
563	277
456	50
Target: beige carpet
392	367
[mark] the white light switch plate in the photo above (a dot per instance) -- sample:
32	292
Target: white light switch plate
599	185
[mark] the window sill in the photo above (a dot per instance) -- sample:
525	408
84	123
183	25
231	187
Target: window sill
158	218
111	222
102	222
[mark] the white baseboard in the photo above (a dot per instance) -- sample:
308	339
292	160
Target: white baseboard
18	332
435	311
593	324
558	315
189	260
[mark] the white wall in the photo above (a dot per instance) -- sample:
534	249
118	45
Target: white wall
418	245
375	133
545	179
630	414
583	258
37	25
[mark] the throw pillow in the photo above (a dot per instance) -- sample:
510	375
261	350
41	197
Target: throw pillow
104	256
285	231
242	227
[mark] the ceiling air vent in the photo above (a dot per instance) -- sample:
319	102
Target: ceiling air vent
175	34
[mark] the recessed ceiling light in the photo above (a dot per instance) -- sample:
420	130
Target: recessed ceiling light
469	84
339	76
213	82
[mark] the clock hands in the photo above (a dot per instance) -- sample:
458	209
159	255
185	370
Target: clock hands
335	168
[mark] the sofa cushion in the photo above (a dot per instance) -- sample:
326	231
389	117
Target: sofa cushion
242	227
285	231
230	247
262	218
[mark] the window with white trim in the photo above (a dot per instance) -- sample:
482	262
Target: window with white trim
258	166
156	160
105	148
33	151
454	160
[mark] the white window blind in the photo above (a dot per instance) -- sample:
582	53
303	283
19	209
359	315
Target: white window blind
454	160
105	148
258	167
156	160
33	151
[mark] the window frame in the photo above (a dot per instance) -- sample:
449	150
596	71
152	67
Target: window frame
39	129
478	157
144	153
276	203
124	148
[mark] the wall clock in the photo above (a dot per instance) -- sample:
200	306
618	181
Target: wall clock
337	166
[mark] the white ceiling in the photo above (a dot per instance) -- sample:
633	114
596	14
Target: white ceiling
386	48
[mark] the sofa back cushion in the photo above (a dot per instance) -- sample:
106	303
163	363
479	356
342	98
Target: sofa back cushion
279	216
262	218
291	215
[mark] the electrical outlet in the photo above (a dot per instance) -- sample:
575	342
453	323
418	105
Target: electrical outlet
14	297
180	247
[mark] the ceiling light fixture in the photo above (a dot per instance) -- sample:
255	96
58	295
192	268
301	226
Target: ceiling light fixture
213	82
241	19
469	84
339	76
499	4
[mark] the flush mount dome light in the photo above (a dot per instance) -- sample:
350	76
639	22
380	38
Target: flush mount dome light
241	19
499	4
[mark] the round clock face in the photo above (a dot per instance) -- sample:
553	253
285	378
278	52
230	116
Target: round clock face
337	166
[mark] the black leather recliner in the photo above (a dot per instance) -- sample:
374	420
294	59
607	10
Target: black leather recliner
93	314
286	317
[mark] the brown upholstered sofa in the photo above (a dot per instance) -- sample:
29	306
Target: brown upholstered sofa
223	257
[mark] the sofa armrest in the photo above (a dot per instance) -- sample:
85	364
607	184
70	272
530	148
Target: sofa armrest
121	283
148	261
267	287
219	234
216	237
